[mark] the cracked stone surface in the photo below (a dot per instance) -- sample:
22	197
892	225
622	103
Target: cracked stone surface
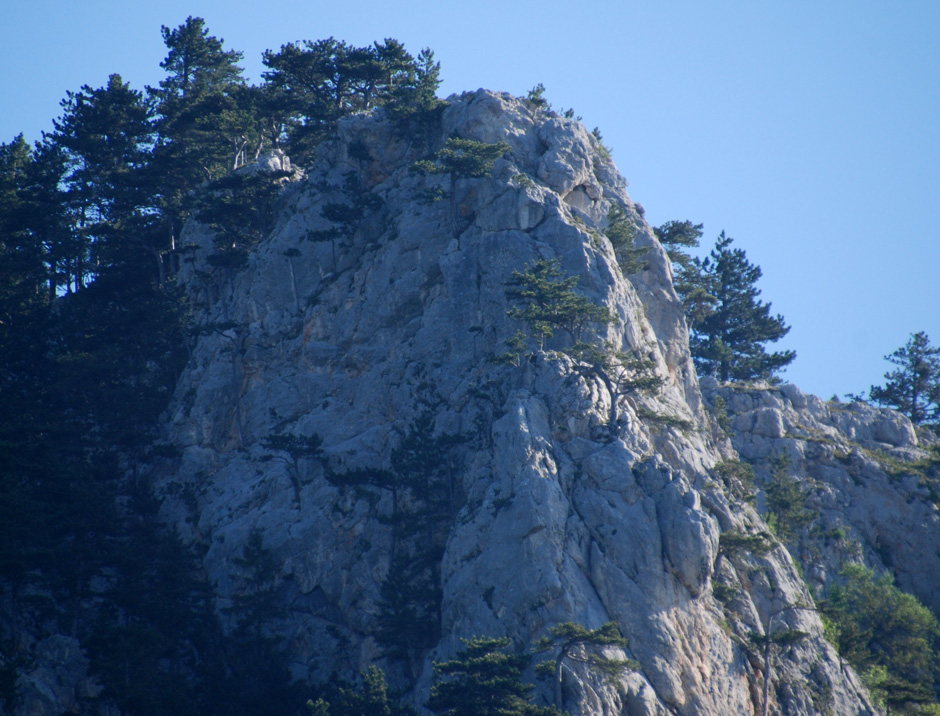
560	516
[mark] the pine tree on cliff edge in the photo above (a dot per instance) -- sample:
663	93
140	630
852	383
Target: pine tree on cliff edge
731	326
914	387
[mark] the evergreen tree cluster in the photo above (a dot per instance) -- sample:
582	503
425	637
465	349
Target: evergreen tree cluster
93	334
110	187
889	637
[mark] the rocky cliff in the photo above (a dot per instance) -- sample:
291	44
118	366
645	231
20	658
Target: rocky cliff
351	362
859	469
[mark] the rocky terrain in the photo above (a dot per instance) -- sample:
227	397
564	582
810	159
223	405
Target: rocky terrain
350	365
857	466
558	518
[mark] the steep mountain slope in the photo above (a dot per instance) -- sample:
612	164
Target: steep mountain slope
343	410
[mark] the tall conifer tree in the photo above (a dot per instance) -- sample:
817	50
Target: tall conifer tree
106	134
730	325
200	119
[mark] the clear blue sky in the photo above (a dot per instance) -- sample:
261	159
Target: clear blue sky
809	131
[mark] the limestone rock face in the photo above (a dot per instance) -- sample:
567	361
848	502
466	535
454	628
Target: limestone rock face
853	462
356	337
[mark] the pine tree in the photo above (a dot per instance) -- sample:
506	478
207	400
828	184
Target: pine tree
316	83
372	698
22	273
787	513
204	117
889	637
914	387
549	302
621	230
46	215
105	134
728	339
676	237
573	643
484	680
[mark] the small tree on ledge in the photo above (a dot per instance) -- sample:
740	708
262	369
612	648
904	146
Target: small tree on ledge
464	158
548	302
572	642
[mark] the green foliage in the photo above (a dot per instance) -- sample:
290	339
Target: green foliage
92	336
676	237
536	97
914	387
259	667
549	302
484	680
372	698
623	373
786	501
464	158
729	324
523	181
426	497
719	411
734	543
205	115
888	636
410	606
292	449
621	230
27	236
738	477
602	148
104	134
315	83
239	209
574	642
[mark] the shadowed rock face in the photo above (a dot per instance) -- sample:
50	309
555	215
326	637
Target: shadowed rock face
381	330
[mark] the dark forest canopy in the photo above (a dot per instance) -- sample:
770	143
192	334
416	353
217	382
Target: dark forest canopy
110	187
93	334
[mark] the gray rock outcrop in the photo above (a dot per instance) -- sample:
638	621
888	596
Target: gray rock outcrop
857	466
351	339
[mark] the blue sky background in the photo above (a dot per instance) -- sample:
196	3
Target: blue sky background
809	131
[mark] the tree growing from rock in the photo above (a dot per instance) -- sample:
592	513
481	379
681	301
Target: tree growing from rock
574	643
621	231
484	680
730	325
547	302
913	388
787	513
676	238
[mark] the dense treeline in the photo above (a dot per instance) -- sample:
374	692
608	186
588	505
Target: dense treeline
93	334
